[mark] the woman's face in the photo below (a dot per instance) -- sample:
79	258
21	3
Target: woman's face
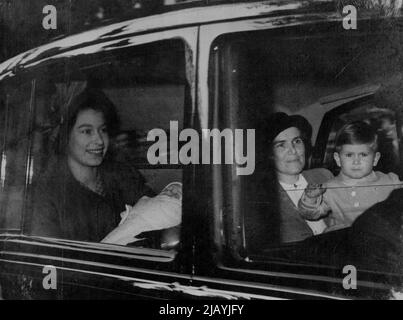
89	139
289	152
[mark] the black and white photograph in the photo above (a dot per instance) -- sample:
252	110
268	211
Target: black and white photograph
201	150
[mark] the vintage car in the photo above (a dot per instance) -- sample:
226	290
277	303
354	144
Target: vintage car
208	66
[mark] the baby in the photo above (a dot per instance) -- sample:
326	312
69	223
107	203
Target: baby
160	212
357	187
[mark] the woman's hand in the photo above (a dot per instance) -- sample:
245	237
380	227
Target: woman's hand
311	205
314	190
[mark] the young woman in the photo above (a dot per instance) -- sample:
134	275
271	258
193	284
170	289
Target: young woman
81	195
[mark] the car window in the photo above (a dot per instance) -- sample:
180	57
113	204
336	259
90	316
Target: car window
330	80
136	199
15	115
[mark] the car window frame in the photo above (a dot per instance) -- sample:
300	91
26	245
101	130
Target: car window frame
189	36
231	263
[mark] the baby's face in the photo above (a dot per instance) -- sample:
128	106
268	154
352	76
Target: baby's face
356	160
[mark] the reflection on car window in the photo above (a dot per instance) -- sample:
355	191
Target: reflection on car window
14	170
91	177
306	74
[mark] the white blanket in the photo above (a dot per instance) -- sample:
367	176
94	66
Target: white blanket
160	212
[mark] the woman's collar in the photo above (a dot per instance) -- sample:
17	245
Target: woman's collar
299	182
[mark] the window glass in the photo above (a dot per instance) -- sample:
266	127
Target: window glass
330	77
3	104
14	171
94	179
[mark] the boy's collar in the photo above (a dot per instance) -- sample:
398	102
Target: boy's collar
372	177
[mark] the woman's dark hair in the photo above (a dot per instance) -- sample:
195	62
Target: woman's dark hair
269	128
93	99
357	132
89	99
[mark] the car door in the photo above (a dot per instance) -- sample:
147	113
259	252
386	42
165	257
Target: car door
150	79
258	67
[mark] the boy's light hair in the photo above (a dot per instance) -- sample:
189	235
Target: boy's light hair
357	132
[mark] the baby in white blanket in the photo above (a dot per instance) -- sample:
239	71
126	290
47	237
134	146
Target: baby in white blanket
160	212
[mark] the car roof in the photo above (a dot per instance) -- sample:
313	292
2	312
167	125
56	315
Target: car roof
76	44
109	36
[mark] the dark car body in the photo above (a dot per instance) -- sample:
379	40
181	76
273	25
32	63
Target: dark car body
210	261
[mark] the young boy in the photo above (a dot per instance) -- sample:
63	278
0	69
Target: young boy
357	187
